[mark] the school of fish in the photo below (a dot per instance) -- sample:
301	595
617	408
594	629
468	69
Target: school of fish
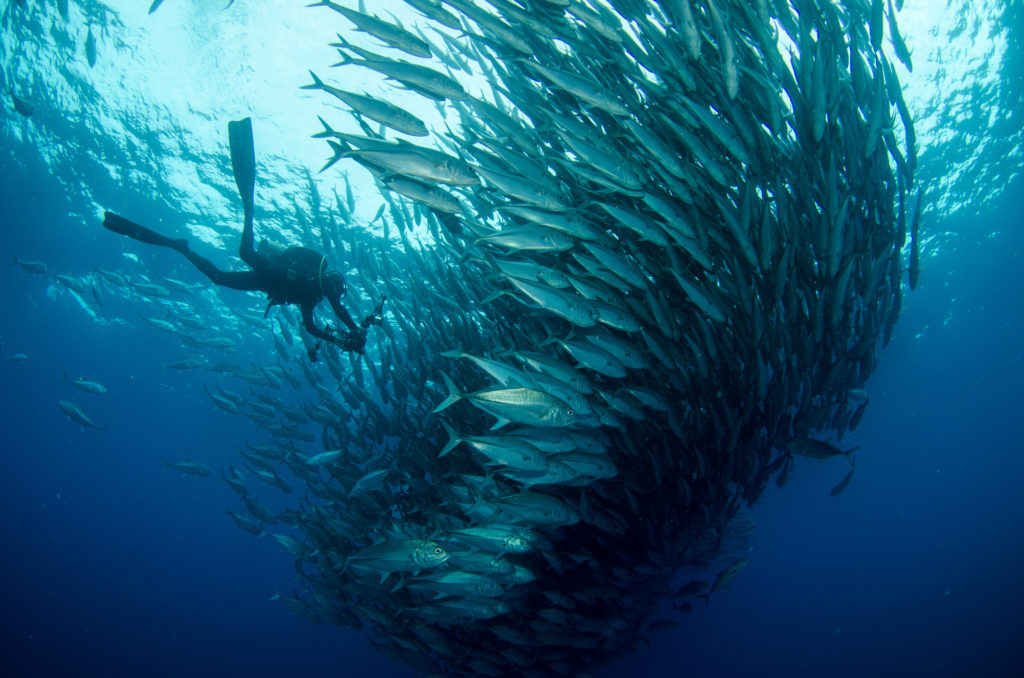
667	245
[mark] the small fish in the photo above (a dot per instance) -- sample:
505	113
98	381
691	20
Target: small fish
536	508
85	385
489	538
155	6
324	457
90	48
246	524
787	468
74	413
845	482
502	450
519	405
725	577
391	34
465	584
22	106
400	555
369	482
34	267
235	480
383	112
187	364
190	468
914	270
691	588
816	449
858	415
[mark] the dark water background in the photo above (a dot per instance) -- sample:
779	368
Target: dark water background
113	565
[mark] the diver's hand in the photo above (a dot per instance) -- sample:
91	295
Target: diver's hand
355	341
312	350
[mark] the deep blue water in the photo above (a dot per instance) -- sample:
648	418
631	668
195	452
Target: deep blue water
112	564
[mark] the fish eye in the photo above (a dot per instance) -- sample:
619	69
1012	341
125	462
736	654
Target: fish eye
571	412
438	551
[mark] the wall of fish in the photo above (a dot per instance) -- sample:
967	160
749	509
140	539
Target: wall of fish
668	247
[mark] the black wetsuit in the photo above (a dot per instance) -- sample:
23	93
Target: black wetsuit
296	275
292	276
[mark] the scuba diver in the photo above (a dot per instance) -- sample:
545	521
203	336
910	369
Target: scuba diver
296	275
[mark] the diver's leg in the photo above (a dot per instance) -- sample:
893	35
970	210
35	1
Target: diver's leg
246	249
118	224
236	280
243	164
241	280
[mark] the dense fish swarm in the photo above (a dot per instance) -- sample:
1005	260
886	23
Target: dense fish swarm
667	248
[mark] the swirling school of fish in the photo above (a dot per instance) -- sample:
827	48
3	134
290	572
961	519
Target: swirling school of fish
667	249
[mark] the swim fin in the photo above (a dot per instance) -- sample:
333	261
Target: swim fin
243	160
118	224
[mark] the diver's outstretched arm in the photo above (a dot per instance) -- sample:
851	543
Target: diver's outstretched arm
310	324
353	341
243	164
343	315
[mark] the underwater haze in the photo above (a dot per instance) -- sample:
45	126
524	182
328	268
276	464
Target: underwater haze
130	385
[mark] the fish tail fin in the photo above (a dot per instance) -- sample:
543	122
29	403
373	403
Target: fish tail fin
339	151
552	338
65	376
468	252
453	438
502	421
453	394
476	503
341	44
345	58
706	597
328	130
276	596
317	84
493	295
486	259
14	259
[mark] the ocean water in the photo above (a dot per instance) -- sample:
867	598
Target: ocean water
112	564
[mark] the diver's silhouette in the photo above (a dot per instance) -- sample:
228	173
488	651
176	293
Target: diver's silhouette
296	275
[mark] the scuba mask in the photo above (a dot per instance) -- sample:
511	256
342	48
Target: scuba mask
332	283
